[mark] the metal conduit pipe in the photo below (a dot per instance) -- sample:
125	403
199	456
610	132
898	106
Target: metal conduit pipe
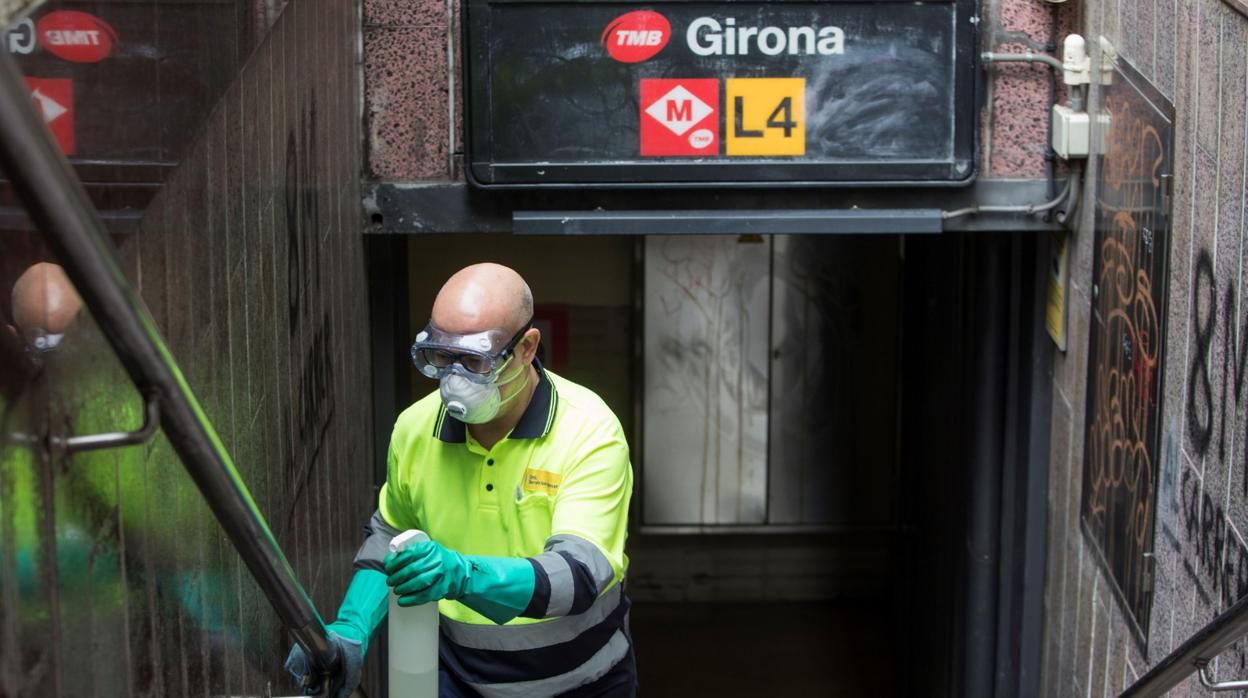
986	438
59	207
1020	208
1077	96
1076	102
1025	57
1073	186
1050	155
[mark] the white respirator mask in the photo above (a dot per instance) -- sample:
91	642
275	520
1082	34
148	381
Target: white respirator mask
469	369
47	341
472	402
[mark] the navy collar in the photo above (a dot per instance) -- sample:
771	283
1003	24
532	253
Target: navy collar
535	423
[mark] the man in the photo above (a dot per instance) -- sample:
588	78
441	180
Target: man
44	305
522	480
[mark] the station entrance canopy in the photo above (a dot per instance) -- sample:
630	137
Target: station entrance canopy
747	93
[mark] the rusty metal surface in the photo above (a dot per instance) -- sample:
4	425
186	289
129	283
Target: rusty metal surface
114	577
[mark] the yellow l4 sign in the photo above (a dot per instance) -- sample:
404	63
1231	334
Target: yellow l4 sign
766	116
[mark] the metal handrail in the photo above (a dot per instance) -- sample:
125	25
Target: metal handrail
1193	655
91	442
59	207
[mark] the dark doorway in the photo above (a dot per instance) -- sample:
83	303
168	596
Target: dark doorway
894	567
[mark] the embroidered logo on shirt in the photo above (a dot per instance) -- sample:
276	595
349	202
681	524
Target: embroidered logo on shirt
540	481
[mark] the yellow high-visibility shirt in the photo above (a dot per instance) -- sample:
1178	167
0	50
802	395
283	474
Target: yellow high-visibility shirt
563	470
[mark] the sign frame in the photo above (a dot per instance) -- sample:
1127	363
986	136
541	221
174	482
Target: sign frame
1119	515
483	170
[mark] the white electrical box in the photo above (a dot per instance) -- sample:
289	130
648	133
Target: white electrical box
1072	133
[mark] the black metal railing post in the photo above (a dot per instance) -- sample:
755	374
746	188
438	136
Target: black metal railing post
1196	652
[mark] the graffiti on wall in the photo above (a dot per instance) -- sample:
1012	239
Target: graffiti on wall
311	408
706	328
1216	557
1126	343
1207	428
1219	554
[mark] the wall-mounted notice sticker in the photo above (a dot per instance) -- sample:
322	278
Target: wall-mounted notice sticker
679	117
54	99
766	116
1055	298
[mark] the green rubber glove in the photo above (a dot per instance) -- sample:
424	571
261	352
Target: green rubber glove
361	611
498	588
363	607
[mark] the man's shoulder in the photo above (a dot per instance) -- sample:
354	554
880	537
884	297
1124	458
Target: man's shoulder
581	405
419	417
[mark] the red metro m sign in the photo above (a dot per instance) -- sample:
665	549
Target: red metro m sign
76	36
636	36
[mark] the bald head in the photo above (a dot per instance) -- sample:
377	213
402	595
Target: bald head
483	297
44	299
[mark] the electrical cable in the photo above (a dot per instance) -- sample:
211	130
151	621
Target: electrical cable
1025	57
1022	208
1050	155
1072	183
1070	190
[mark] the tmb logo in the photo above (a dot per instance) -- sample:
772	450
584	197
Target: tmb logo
76	36
636	36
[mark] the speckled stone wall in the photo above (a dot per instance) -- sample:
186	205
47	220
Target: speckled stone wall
412	81
1014	122
1193	52
115	579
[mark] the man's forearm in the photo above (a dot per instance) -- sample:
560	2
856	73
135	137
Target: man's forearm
364	606
569	576
376	546
499	588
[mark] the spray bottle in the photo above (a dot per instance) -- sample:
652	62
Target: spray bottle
413	639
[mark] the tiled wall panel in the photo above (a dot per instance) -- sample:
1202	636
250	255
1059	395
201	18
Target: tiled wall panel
1193	51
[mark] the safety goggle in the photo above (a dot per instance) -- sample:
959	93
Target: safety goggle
480	355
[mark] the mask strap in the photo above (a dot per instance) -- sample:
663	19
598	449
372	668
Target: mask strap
500	384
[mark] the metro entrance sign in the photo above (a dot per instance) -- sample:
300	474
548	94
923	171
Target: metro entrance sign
54	100
832	93
679	117
768	116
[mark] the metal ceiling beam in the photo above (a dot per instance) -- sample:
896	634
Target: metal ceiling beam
455	207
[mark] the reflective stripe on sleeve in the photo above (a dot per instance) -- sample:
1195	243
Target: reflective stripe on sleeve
588	554
593	669
528	636
559	574
569	577
376	546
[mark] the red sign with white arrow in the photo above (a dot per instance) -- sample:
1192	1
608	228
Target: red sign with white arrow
54	99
